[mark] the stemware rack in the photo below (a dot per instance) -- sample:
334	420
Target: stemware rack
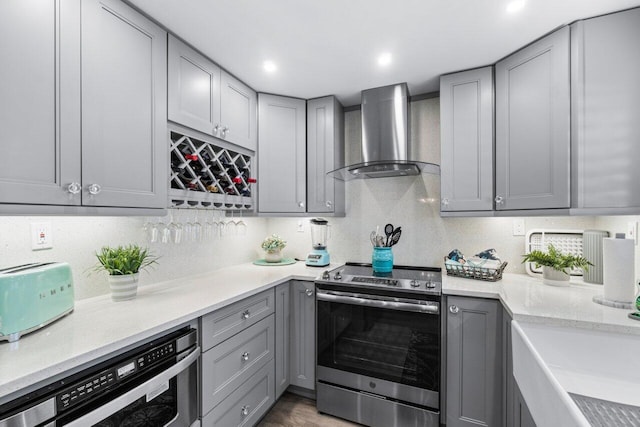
205	175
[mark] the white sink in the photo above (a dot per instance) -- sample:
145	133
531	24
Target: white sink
551	361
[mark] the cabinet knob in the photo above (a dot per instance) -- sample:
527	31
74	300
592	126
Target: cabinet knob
445	202
499	200
301	204
74	188
225	130
309	292
245	356
246	314
216	129
453	309
94	189
245	410
329	203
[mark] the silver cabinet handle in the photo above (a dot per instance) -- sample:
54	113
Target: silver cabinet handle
445	202
94	189
329	203
309	292
454	309
74	188
301	204
216	129
499	200
245	356
246	314
245	410
225	130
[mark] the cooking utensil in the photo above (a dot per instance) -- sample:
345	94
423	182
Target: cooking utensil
395	238
388	231
372	237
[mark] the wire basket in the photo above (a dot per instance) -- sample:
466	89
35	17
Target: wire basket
477	273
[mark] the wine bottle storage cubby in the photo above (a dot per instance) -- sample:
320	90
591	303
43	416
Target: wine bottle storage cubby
204	175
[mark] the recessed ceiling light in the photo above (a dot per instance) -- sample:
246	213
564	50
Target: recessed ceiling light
269	66
384	59
515	6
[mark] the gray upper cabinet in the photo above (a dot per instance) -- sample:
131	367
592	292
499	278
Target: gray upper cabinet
282	154
208	99
238	112
605	111
303	342
40	107
532	126
194	88
325	152
474	362
466	120
124	116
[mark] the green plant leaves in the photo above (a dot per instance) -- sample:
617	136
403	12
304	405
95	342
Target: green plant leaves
124	259
556	259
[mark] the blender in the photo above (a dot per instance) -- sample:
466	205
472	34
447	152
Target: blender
319	257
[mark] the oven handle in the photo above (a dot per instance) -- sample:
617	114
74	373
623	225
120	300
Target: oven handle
131	396
420	306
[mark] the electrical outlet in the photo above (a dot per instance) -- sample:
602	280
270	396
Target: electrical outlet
518	227
632	231
41	237
300	226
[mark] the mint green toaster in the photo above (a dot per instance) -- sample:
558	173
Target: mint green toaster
32	296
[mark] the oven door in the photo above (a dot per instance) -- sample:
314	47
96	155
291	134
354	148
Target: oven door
385	345
169	399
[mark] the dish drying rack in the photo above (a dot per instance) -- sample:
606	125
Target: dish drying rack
205	175
566	241
477	273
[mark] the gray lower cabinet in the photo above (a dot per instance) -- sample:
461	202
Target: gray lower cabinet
282	154
124	112
302	329
605	110
325	152
533	126
83	105
206	98
282	320
467	139
474	362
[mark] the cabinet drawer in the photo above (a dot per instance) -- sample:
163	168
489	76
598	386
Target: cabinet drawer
231	363
247	404
228	321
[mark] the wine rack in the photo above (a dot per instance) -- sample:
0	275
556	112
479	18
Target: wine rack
204	175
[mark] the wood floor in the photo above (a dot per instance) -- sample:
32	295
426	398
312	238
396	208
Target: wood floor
295	411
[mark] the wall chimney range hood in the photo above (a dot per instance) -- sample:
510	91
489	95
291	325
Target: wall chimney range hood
385	137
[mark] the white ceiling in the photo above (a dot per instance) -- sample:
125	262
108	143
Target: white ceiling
324	47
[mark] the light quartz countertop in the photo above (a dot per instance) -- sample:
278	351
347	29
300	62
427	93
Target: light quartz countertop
99	327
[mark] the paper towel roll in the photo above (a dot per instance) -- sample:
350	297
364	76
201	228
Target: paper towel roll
619	269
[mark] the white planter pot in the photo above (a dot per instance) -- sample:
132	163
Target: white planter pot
273	256
553	277
123	288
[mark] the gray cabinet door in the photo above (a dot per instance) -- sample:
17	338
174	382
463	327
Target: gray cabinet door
283	311
605	110
124	115
474	362
40	101
325	152
194	88
238	112
303	334
466	129
282	154
532	126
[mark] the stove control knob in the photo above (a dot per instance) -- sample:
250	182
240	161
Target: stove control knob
338	275
326	276
414	283
430	284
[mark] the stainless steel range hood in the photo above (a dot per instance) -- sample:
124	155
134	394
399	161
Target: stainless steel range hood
385	137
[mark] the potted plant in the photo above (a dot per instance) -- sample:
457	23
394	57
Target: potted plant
556	265
123	264
273	246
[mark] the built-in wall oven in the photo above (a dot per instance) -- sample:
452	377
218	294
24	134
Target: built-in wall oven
379	345
155	384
